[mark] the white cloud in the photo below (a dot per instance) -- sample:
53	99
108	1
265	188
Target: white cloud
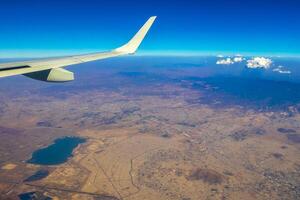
254	63
220	56
238	59
230	61
226	61
280	69
259	62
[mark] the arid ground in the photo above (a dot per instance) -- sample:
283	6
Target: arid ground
155	128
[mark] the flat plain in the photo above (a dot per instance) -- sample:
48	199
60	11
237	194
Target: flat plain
161	135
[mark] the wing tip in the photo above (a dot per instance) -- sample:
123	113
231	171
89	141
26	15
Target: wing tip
134	43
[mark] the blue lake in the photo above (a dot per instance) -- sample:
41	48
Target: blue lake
56	153
33	196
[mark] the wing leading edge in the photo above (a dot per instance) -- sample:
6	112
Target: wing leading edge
46	65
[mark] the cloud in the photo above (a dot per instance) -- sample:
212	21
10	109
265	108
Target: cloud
259	62
280	69
230	61
238	59
226	61
220	56
254	63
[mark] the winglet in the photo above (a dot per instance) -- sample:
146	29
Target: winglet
134	43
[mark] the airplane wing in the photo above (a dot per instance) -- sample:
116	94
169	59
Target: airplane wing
51	70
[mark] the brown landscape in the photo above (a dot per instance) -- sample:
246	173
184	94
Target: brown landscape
147	137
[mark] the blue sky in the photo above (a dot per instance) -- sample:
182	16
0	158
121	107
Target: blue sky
39	28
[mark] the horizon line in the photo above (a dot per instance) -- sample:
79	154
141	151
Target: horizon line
43	53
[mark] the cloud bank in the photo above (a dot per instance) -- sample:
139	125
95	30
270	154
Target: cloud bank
253	63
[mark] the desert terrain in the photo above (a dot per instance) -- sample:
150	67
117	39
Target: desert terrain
148	136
